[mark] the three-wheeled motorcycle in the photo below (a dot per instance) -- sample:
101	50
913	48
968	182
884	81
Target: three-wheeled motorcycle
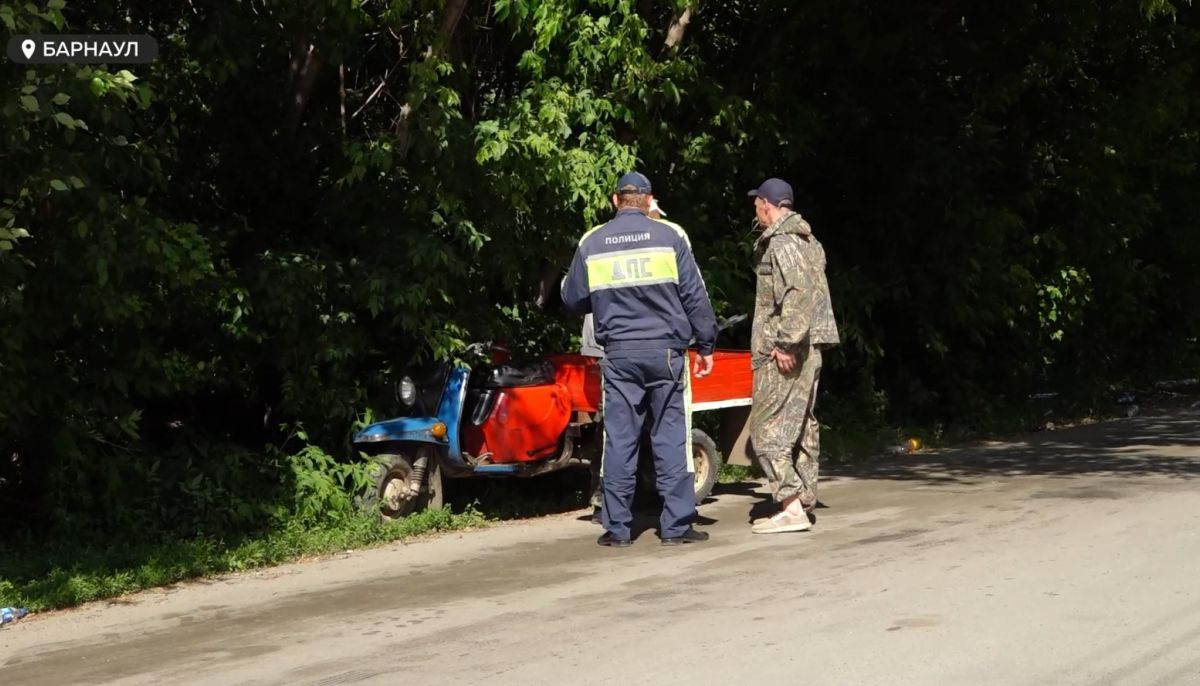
505	420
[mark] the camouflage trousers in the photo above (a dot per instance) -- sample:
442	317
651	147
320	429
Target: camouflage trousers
784	433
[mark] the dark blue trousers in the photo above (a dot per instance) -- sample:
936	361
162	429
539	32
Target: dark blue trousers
640	386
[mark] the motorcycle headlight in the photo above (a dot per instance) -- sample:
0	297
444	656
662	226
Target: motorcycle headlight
408	391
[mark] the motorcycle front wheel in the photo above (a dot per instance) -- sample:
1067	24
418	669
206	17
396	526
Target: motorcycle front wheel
394	492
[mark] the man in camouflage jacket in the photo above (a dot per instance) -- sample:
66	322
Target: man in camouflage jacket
793	323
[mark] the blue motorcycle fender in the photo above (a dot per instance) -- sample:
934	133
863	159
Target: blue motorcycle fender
404	429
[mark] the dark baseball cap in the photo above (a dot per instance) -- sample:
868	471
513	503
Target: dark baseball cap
775	191
634	182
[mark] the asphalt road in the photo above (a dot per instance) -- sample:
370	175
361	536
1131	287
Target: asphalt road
1068	557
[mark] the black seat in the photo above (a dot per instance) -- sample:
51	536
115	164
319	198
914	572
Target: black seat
516	376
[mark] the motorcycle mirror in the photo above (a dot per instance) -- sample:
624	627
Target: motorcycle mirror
731	322
479	348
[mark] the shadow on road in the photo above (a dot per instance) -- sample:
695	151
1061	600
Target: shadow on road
1147	446
553	493
1164	446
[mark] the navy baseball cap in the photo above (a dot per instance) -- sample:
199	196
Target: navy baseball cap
634	182
775	191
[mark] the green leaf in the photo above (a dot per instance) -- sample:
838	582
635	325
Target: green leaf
30	103
76	182
26	90
102	271
61	99
56	4
65	119
58	185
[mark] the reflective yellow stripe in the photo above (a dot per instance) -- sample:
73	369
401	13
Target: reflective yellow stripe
687	412
603	426
686	241
589	232
627	268
679	230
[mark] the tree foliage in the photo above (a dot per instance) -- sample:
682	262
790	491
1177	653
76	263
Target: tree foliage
297	199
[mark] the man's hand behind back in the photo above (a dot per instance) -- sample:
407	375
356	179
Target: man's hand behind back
786	361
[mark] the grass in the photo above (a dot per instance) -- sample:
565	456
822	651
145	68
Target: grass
62	575
734	474
59	577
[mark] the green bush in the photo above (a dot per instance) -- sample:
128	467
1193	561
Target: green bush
262	228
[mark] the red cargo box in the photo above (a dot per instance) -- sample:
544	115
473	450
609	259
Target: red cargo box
730	384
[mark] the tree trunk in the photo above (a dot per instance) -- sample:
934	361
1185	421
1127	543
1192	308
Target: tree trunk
451	16
678	28
342	96
306	65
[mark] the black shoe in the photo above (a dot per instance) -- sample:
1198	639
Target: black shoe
689	536
613	542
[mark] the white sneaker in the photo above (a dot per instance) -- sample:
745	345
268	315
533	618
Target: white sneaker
781	523
760	520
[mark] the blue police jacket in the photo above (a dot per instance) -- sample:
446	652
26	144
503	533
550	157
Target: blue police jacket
638	278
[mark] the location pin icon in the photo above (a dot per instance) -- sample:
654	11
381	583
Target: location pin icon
27	46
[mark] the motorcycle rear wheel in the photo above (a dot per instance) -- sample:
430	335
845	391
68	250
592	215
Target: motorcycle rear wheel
706	463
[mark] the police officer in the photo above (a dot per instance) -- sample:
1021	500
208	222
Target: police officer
588	347
639	279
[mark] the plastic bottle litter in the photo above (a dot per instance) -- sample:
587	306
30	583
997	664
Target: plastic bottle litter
908	447
11	614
